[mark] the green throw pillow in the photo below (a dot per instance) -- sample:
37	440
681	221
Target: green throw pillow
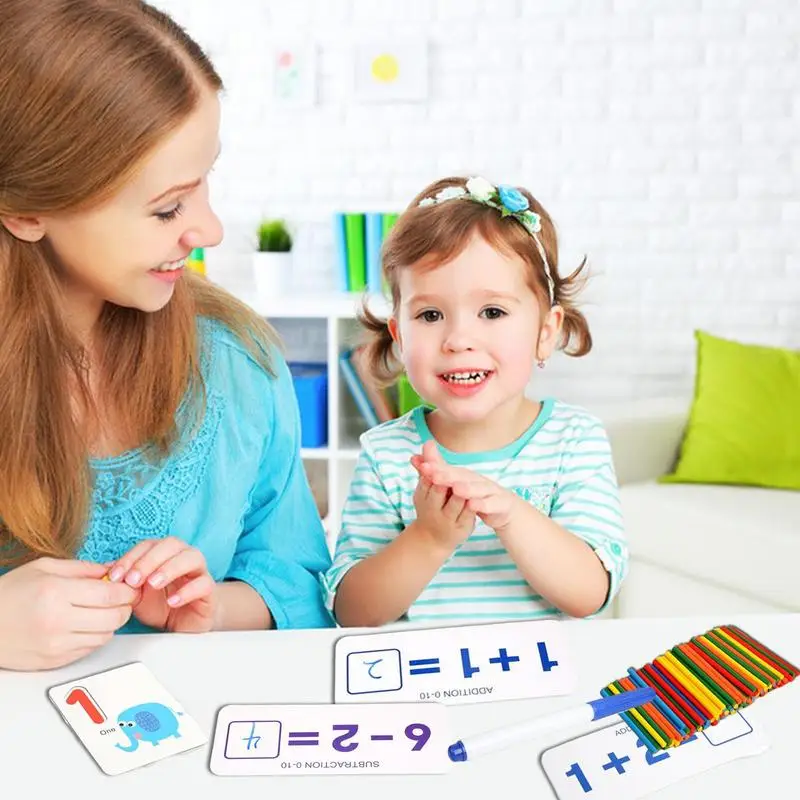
744	424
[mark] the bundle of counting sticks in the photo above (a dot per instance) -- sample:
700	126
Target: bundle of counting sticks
698	683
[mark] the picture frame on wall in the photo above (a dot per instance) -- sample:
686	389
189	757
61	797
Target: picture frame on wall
391	71
294	75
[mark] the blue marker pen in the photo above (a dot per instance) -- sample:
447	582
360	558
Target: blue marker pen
465	749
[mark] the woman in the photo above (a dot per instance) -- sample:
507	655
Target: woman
149	468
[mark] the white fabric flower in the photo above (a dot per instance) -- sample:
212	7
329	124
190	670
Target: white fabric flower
531	220
426	201
450	193
480	188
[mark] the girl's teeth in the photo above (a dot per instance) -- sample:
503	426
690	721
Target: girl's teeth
171	266
466	377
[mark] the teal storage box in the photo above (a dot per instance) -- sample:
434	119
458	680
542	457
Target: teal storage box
311	388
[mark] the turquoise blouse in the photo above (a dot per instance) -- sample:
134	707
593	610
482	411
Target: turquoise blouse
234	488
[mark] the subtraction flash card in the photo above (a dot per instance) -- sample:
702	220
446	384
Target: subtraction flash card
326	739
462	664
613	764
126	718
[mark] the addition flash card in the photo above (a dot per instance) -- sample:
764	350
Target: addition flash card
463	664
410	738
126	718
614	764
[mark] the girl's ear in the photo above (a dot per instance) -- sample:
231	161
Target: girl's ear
549	333
394	331
28	229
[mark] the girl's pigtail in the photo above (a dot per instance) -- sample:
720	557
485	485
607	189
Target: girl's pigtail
380	356
576	338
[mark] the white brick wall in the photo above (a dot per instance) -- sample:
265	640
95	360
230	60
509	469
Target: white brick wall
662	137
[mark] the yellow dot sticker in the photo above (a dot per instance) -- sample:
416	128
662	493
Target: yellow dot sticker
385	68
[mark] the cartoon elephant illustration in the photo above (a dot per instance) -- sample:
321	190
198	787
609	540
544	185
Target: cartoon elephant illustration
148	722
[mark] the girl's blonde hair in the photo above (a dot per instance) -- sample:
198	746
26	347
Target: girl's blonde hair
88	88
429	236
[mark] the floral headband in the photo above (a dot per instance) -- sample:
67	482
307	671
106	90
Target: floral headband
509	201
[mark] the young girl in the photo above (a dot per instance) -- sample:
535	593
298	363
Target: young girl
483	505
149	464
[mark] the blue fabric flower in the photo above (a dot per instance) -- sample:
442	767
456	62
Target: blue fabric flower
512	199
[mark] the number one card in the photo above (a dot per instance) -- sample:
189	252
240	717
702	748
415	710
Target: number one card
409	738
462	664
126	718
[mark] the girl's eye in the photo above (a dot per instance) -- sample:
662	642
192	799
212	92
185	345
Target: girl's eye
493	313
168	216
430	316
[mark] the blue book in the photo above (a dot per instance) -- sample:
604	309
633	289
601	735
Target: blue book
357	390
340	251
374	239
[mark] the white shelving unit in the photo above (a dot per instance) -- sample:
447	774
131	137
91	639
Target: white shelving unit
337	460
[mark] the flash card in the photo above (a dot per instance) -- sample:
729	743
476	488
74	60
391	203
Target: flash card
613	763
410	738
462	664
126	718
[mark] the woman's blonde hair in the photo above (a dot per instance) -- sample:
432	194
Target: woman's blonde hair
429	236
88	88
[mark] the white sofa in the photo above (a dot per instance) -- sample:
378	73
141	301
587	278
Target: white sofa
697	549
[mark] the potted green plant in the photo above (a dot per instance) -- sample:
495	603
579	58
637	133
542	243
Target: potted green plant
272	260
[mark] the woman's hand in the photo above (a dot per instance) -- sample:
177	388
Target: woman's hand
56	611
177	592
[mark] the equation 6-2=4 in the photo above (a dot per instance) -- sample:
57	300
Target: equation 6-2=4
267	739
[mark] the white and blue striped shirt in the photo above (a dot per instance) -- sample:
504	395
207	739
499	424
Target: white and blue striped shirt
562	465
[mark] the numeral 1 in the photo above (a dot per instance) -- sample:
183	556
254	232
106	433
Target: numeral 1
547	662
80	696
577	772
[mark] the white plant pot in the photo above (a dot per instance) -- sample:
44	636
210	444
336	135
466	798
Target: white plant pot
272	274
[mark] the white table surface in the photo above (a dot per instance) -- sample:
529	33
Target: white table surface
38	750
